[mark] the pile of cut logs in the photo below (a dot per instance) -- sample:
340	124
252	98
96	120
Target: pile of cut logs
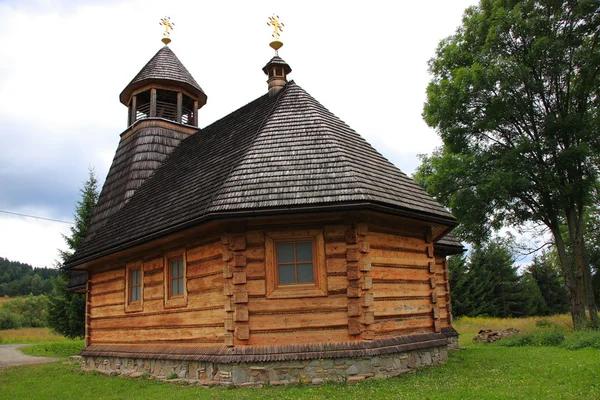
490	336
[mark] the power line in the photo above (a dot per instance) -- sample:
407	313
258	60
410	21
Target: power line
36	217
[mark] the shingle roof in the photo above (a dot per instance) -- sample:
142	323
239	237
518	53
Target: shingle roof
164	66
277	61
137	157
281	152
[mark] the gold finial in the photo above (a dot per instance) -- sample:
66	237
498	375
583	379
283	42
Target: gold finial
166	22
277	28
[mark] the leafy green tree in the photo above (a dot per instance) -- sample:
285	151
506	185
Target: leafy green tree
67	309
514	96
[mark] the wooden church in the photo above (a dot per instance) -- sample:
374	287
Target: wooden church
273	246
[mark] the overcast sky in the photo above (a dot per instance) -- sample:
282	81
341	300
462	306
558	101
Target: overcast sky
63	65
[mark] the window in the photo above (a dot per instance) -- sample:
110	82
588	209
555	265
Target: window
295	264
175	279
134	286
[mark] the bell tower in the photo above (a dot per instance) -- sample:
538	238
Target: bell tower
163	100
164	88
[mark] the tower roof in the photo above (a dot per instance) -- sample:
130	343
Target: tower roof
281	154
277	61
164	67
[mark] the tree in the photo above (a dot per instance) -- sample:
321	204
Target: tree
547	277
515	96
67	309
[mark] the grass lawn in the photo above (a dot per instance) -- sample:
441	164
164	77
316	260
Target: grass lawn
479	372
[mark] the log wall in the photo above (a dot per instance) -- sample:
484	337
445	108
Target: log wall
406	285
200	322
381	281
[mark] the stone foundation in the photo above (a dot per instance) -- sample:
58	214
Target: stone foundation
274	373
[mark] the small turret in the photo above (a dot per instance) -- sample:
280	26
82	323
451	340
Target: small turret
276	69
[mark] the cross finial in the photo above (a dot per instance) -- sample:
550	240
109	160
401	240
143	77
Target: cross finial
277	28
166	22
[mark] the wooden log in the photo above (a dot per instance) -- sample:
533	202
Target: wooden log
369	317
384	240
108	276
240	313
432	267
352	273
364	264
205	252
256	288
228	322
394	274
354	327
238	243
351	236
367	300
208	283
380	257
267	338
367	283
336	283
239	277
239	260
363	247
352	255
240	296
335	231
401	324
336	265
298	321
362	229
402	307
162	320
335	249
255	269
157	335
311	304
242	332
354	309
255	238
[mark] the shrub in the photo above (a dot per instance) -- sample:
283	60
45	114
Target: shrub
544	323
549	337
582	339
9	320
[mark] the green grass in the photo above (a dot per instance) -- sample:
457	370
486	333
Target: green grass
30	335
63	348
481	371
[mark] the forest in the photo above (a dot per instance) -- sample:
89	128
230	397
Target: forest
20	279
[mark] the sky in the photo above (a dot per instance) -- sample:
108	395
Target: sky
63	65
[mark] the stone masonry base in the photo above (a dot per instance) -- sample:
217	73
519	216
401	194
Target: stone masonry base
314	371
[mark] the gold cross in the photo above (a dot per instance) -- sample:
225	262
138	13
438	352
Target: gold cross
277	26
166	21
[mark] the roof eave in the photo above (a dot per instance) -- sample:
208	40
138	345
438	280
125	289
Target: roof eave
224	215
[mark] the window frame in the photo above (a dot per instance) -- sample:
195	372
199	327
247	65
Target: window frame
179	299
137	305
317	288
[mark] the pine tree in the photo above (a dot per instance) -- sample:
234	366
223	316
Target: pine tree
67	309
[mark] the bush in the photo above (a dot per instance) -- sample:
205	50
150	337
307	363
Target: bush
549	337
582	339
544	323
9	320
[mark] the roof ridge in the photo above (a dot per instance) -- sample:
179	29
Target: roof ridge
333	139
239	160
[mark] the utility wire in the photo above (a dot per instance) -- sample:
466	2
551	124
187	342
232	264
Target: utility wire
34	216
